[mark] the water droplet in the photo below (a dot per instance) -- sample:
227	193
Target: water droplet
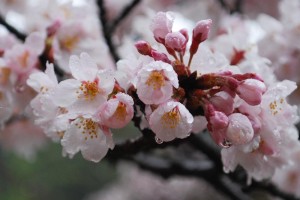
158	141
226	144
20	88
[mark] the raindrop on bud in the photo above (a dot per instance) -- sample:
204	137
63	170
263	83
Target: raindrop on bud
158	141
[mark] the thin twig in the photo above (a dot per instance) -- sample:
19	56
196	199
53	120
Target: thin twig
201	169
106	31
238	4
125	12
142	144
11	29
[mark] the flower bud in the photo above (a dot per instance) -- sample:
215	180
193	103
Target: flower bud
143	48
239	130
157	56
176	41
200	34
251	91
162	25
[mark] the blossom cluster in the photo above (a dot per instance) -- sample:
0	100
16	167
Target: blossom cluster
81	110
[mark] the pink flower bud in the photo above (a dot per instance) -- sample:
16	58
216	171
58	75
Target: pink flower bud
116	112
143	48
251	91
200	34
162	25
157	56
176	41
217	124
218	121
223	102
239	130
52	29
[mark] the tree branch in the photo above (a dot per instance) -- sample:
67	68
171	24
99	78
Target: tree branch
192	168
11	29
271	189
106	30
125	12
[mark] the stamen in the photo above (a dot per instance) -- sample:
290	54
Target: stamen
156	80
171	119
89	90
88	127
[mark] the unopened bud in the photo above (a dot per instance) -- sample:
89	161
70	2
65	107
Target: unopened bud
251	91
157	56
200	34
143	48
239	129
176	41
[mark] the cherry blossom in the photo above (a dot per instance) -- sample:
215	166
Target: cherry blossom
88	90
155	82
85	135
171	120
117	111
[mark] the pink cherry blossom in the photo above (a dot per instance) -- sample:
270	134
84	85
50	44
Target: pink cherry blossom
176	41
171	120
155	82
117	111
23	58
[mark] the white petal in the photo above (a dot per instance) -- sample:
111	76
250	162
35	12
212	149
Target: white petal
36	42
65	93
82	72
72	140
95	149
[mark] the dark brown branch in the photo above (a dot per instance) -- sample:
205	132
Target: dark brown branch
11	29
106	30
141	144
58	71
193	168
125	12
235	8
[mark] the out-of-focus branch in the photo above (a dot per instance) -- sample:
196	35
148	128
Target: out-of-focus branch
232	185
106	30
125	12
204	169
271	189
43	60
109	28
11	29
21	36
236	7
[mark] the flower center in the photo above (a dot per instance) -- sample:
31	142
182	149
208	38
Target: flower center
23	59
120	113
88	127
156	80
274	106
69	43
171	119
89	90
